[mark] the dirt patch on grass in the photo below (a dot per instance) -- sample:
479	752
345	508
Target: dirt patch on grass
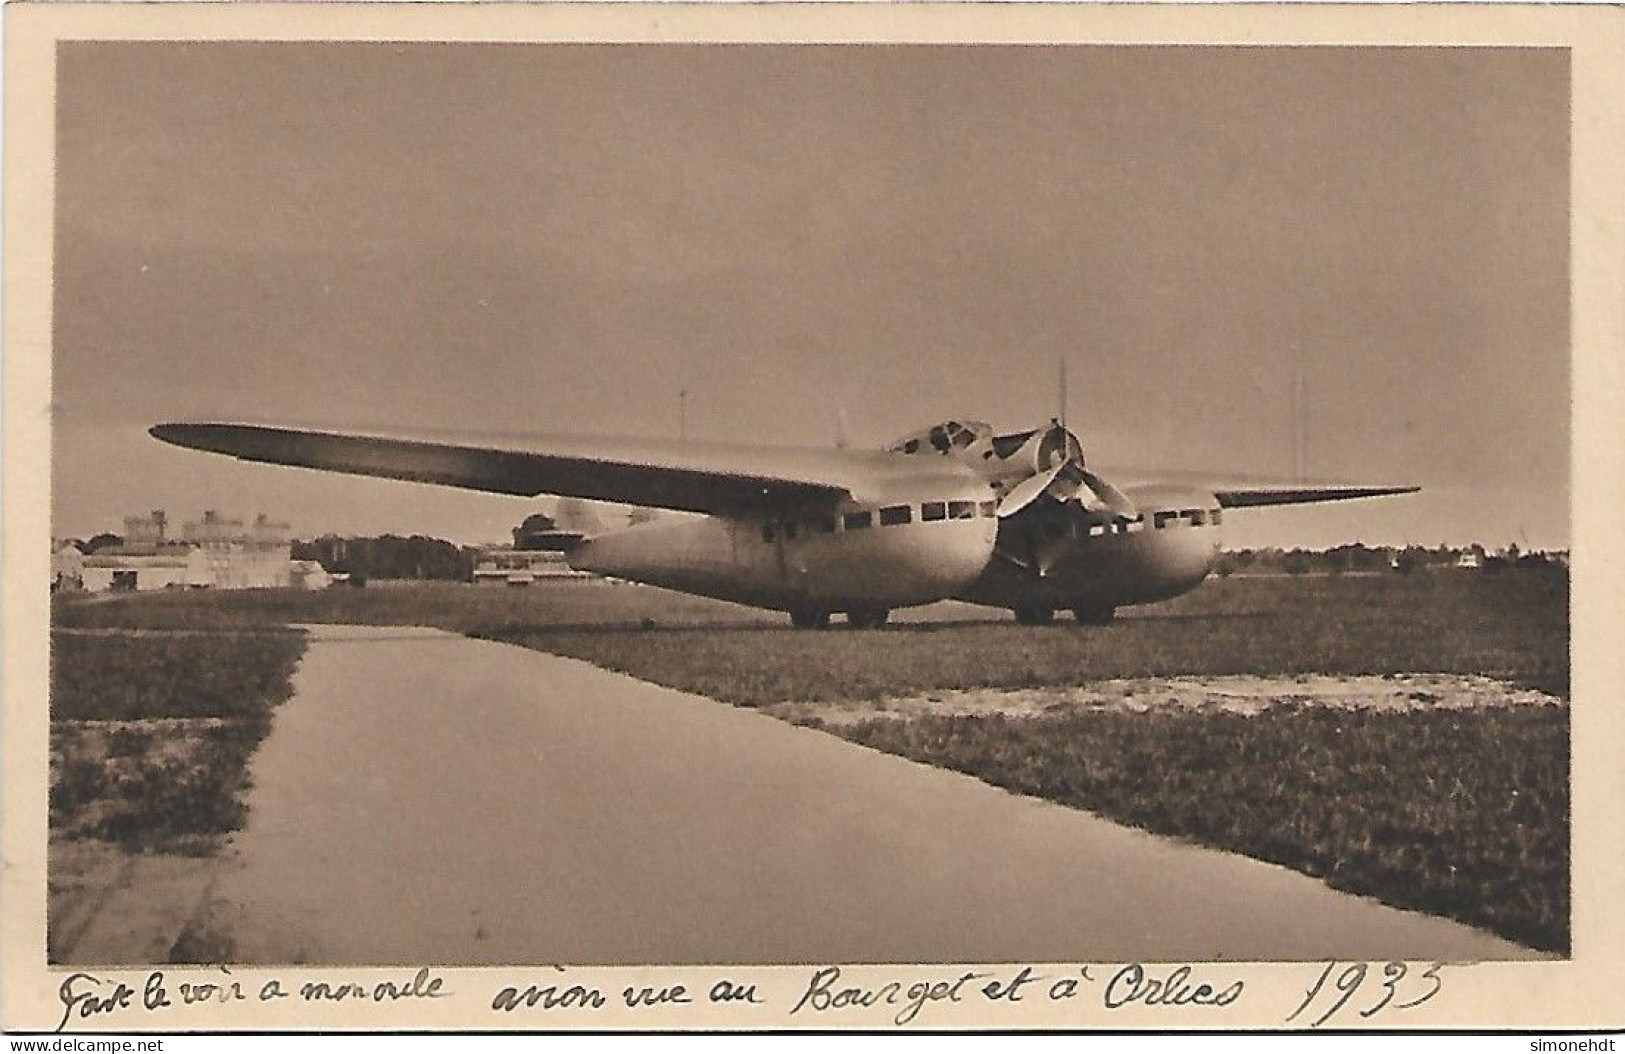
167	785
1240	694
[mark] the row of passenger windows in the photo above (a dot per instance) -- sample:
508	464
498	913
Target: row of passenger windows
932	511
889	516
1196	517
1123	525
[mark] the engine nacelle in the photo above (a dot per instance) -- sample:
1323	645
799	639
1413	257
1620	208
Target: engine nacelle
1062	555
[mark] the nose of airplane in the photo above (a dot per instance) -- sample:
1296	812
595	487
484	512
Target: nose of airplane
1193	558
1177	561
957	557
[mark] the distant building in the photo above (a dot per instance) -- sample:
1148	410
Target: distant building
1471	559
233	556
212	553
146	530
500	565
537	552
123	568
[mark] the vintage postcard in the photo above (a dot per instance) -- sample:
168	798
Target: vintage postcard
812	517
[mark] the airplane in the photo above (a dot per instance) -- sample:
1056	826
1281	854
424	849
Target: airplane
954	511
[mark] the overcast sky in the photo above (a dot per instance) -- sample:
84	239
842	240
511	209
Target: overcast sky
554	238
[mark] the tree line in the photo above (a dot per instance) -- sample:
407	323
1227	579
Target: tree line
390	556
1366	559
425	558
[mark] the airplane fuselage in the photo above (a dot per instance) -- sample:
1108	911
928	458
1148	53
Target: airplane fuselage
874	554
1061	558
923	542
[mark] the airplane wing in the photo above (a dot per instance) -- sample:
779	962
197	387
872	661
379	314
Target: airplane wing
1238	491
1299	495
695	477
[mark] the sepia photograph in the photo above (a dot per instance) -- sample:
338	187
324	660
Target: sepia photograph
808	514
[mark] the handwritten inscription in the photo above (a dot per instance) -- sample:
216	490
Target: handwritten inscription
85	996
209	992
554	996
1397	990
1132	984
422	986
1340	991
558	995
726	991
636	997
824	992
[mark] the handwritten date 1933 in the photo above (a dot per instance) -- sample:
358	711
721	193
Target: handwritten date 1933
1398	991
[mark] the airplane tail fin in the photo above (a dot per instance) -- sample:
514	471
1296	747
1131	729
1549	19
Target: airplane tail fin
576	516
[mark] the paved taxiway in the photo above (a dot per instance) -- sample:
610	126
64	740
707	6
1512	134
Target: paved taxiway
428	798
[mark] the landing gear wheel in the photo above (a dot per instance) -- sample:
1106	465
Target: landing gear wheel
1035	615
1095	616
867	618
809	618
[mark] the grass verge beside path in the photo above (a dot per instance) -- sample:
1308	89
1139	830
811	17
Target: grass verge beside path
151	733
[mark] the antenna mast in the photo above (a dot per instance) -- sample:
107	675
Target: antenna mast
1063	389
1300	415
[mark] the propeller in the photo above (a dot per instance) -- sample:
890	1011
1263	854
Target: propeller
1059	472
1028	490
1113	500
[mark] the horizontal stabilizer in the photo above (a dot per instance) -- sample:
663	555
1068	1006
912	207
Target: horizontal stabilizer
575	515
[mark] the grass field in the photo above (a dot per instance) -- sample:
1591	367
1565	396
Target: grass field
448	605
1514	627
1464	814
151	732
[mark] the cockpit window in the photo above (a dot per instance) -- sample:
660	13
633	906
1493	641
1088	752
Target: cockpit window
1006	445
944	438
962	510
